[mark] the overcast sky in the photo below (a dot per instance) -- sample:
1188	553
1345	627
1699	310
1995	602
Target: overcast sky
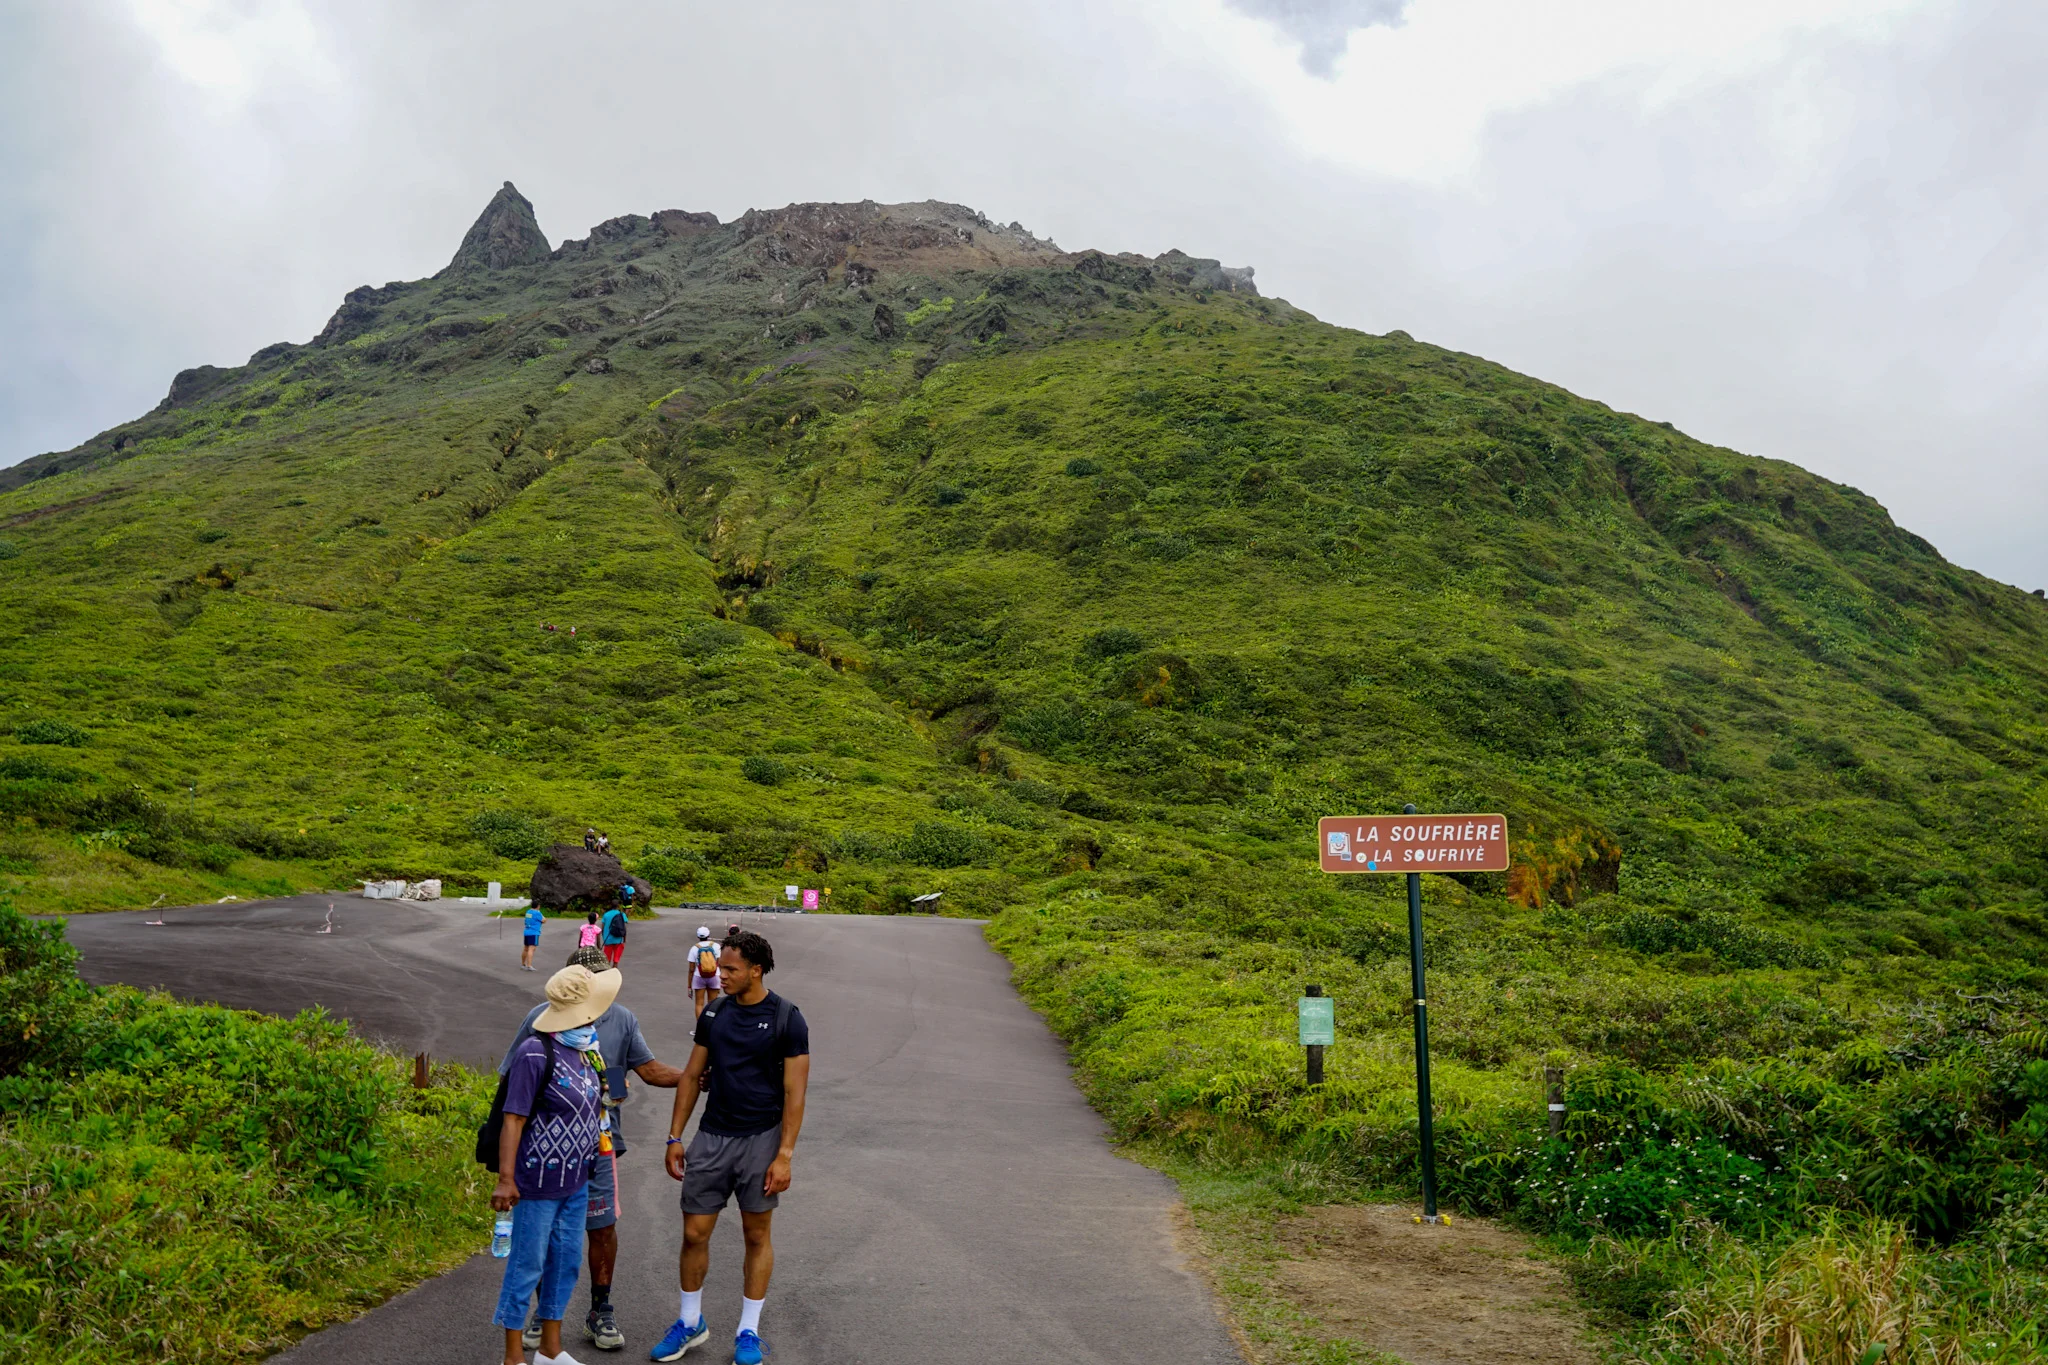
1807	229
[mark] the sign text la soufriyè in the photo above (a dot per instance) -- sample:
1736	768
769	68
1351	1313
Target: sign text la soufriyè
1413	843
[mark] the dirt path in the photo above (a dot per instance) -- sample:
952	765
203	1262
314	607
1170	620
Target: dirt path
1468	1294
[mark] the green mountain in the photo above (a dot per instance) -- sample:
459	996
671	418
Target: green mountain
895	539
886	549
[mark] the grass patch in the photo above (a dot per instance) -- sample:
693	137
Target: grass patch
189	1183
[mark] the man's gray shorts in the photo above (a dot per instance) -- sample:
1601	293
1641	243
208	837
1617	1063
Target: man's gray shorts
716	1167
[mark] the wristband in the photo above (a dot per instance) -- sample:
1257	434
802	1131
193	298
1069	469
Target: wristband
673	1141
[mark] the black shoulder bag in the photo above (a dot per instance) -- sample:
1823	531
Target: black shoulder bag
492	1130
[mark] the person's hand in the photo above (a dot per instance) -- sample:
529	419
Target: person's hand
777	1179
505	1195
674	1160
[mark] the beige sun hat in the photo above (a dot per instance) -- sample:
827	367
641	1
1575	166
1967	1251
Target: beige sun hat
577	996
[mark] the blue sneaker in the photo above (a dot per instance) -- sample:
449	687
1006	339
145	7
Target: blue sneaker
681	1338
746	1349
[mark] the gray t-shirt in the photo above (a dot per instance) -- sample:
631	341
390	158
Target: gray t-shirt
619	1042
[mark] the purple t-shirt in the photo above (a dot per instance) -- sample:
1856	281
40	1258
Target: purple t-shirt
560	1142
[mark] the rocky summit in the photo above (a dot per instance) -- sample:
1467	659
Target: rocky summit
886	547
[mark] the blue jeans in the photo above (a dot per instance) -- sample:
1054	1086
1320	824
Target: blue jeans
547	1251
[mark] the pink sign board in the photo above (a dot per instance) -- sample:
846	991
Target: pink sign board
810	898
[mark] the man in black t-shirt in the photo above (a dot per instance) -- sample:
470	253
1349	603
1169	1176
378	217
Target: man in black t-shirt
757	1049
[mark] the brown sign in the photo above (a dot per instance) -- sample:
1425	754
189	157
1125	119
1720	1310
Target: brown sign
1413	843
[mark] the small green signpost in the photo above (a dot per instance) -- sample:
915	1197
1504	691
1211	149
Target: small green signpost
1316	1018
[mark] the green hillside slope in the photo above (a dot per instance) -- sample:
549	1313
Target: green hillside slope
1096	553
891	550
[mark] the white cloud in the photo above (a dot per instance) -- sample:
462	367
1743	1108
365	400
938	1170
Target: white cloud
230	50
1413	100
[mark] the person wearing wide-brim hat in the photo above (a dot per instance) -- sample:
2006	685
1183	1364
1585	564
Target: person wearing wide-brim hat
553	1121
622	1053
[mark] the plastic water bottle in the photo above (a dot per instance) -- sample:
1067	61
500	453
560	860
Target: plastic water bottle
501	1236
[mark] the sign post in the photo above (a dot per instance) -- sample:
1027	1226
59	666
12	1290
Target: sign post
1316	1017
1403	843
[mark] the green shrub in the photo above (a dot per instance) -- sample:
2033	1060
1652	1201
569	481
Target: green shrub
1633	1188
1726	937
1090	806
768	772
281	844
1370	943
1108	644
1081	467
866	846
771	847
509	834
668	867
47	731
933	843
188	1184
8	549
710	638
40	994
36	768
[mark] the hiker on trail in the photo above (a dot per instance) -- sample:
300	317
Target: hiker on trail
588	934
534	920
590	840
757	1048
623	1052
553	1127
614	937
703	969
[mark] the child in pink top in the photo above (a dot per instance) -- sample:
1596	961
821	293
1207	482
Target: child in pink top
587	936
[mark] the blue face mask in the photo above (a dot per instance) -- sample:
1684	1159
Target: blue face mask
582	1039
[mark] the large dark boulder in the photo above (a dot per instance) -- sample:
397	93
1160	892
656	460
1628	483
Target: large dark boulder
571	874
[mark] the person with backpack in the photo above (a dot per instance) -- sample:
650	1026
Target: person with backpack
703	969
614	938
623	1053
548	1117
757	1049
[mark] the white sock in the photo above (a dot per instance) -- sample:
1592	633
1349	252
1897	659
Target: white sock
750	1315
693	1307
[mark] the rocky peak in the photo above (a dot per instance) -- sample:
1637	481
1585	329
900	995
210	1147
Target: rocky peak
505	234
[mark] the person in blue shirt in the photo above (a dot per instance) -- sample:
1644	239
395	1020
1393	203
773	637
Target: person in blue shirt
614	937
534	919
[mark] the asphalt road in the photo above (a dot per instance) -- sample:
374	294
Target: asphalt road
954	1197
